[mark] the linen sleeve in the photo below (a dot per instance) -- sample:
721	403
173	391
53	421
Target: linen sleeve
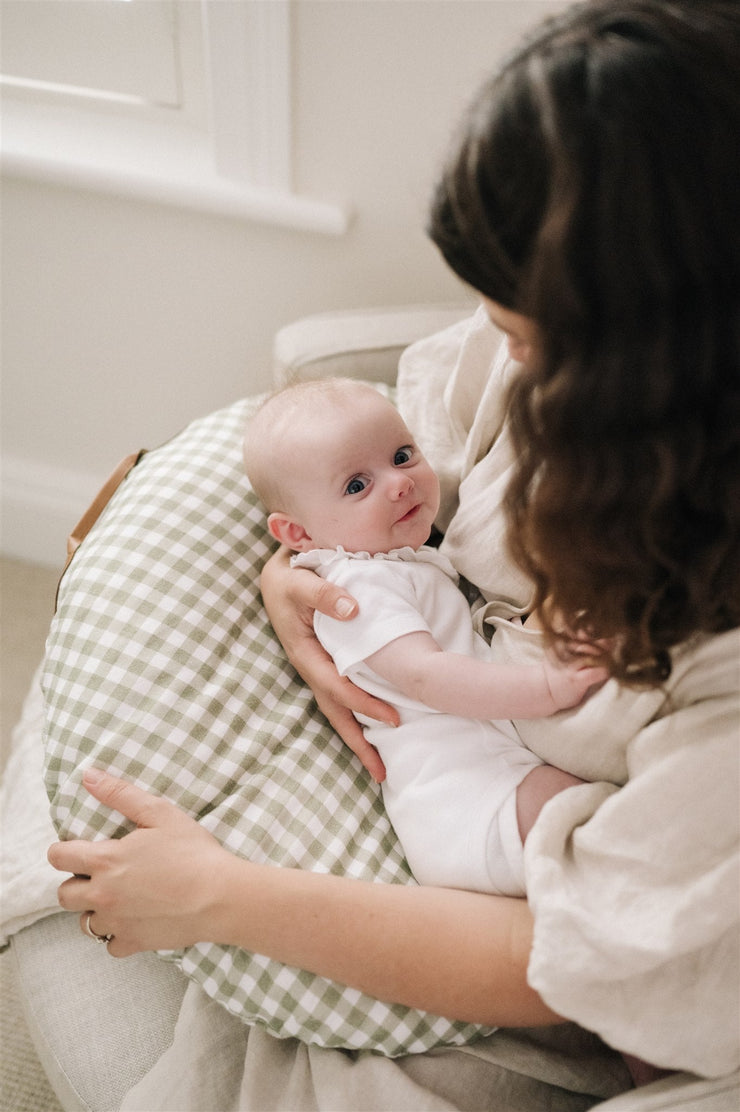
634	890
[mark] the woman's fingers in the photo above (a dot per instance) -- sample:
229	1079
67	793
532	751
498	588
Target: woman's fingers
73	894
351	733
68	857
329	687
149	889
311	592
291	596
136	804
331	600
98	935
339	699
304	591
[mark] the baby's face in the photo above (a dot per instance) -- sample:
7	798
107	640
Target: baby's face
360	481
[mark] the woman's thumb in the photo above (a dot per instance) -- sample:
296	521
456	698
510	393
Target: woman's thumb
333	602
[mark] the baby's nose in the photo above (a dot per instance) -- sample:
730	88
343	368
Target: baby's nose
400	486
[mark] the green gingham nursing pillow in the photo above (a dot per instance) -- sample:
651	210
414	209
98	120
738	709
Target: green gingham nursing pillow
161	666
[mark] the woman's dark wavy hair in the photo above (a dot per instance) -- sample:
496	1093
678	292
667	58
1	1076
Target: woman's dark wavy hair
596	189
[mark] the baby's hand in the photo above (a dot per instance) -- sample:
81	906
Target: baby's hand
570	683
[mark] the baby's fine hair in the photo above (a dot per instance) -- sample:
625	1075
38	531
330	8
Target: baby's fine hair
280	414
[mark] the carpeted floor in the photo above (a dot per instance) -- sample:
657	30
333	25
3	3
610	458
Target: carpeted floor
26	606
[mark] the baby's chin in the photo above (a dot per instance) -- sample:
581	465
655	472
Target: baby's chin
413	536
411	533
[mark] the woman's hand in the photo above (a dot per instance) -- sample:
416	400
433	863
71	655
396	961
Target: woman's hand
153	889
169	884
291	595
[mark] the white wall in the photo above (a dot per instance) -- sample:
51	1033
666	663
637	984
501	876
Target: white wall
123	320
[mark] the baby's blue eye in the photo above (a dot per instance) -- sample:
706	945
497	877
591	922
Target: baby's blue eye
355	486
403	455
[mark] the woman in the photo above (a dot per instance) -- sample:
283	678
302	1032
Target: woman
592	200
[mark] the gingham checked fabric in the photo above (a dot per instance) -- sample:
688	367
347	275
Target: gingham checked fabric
161	666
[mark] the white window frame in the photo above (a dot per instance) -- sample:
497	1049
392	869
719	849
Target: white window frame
239	166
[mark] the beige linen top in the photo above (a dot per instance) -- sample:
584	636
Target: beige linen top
632	878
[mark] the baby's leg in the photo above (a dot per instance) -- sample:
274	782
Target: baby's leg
539	785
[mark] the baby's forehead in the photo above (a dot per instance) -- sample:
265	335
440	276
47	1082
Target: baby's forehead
345	393
353	424
344	406
330	417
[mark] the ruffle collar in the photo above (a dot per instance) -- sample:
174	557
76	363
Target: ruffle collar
320	559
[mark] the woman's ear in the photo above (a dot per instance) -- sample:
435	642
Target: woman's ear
289	532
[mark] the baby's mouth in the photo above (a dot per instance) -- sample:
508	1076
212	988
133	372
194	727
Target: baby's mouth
411	513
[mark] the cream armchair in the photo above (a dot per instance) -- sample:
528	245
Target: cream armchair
356	344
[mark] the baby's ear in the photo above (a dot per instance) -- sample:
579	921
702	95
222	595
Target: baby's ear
289	532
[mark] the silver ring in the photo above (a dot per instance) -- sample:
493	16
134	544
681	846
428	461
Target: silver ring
105	938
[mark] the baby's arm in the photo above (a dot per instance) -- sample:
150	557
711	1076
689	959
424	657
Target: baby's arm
456	684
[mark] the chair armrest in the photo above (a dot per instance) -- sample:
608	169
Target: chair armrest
365	343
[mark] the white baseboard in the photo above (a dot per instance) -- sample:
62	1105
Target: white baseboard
40	507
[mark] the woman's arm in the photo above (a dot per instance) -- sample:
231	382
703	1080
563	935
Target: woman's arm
291	595
170	884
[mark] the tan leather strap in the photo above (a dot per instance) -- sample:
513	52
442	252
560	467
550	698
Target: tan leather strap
98	504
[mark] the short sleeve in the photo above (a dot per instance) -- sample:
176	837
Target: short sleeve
388	609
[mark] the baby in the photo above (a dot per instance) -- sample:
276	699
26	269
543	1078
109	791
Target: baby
349	492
